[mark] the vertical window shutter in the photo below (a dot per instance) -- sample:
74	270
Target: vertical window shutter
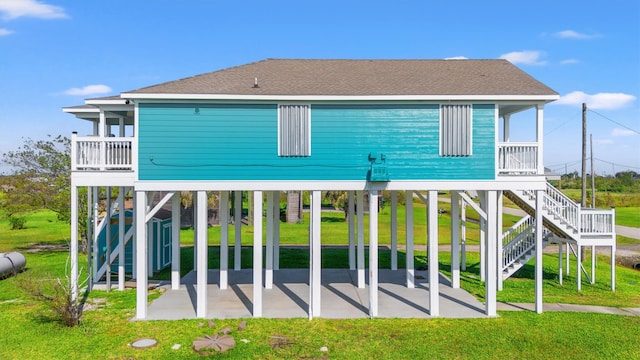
294	130
456	130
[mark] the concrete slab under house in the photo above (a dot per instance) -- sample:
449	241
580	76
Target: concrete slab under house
415	127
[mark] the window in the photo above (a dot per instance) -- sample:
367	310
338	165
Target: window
294	127
455	130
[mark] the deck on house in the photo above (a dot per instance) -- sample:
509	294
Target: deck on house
289	297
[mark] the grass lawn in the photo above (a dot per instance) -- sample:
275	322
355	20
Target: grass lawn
28	332
628	216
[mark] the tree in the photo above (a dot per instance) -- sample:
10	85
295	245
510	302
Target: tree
40	177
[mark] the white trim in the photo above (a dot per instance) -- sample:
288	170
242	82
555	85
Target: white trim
172	96
496	134
505	183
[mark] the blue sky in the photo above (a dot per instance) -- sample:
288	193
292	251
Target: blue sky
55	53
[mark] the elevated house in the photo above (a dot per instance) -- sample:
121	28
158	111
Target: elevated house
361	126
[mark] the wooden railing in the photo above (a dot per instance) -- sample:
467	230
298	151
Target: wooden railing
518	158
597	221
101	153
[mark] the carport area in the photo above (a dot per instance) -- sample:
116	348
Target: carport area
289	297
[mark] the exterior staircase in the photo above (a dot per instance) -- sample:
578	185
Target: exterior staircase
564	221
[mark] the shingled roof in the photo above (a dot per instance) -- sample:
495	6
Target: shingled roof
359	78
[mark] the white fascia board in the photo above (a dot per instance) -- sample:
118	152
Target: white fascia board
527	182
103	178
106	102
341	98
72	110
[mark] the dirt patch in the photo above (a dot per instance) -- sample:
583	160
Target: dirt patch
46	247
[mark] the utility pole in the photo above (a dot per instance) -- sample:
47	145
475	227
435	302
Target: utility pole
593	176
584	156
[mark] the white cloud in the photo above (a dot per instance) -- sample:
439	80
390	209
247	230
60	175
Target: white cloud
13	9
622	132
88	90
527	57
5	32
608	101
569	61
457	58
571	34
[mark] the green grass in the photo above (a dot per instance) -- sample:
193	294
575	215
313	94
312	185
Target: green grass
628	216
30	333
42	227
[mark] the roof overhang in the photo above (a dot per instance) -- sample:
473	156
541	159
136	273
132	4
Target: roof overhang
156	96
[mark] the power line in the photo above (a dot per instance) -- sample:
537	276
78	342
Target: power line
615	122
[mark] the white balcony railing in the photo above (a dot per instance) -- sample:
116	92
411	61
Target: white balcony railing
101	153
518	158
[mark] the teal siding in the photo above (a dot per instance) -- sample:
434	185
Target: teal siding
239	142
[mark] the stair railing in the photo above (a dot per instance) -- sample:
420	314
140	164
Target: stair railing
522	241
560	205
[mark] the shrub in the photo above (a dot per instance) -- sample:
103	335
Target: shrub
54	294
18	222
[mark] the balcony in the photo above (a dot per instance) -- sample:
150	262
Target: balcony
94	153
518	159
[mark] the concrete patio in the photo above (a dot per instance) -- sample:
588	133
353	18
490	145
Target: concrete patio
289	297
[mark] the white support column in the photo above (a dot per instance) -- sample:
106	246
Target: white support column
121	239
568	258
411	276
432	253
268	273
134	256
315	263
224	240
539	249
613	266
202	246
151	248
194	217
455	240
491	262
613	252
394	230
94	241
593	264
90	229
257	253
499	240
373	253
578	265
483	236
506	134
107	238
360	258
141	255
539	136
237	217
560	264
276	230
175	241
463	236
352	235
73	247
